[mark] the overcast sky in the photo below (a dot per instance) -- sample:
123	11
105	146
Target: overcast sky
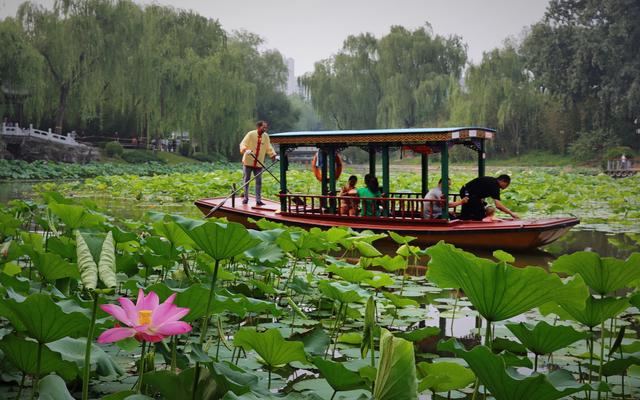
312	30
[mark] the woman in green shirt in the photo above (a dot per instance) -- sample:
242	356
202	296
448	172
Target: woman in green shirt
369	207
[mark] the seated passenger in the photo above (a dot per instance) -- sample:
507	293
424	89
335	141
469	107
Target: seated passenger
347	206
369	207
490	213
433	208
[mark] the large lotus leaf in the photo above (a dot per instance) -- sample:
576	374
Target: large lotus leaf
173	233
366	249
338	376
634	300
62	246
120	236
32	242
618	366
417	335
265	252
221	241
506	384
401	239
370	312
23	353
603	275
8	224
342	293
406	250
396	376
74	216
545	338
241	305
596	311
350	274
502	255
160	246
307	383
378	280
391	264
53	267
315	340
44	320
73	350
301	243
52	387
180	386
270	345
498	290
238	380
194	298
399	301
443	376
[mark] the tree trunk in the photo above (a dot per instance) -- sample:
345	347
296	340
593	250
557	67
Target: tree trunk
62	106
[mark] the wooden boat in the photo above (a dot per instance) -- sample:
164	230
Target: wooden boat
401	212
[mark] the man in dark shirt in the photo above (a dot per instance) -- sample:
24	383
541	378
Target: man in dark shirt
479	189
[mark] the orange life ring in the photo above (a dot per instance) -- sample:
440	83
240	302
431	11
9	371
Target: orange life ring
318	171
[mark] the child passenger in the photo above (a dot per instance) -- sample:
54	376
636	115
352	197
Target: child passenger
348	206
490	213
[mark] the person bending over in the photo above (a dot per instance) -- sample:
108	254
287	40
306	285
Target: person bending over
480	188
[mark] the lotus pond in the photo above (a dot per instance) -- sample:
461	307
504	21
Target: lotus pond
161	305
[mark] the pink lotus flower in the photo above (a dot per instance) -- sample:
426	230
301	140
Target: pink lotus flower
147	320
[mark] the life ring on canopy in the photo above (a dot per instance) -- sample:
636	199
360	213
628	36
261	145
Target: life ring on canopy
317	171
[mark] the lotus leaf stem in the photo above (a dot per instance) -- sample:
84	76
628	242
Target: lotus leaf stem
36	379
205	325
601	357
173	353
86	373
19	395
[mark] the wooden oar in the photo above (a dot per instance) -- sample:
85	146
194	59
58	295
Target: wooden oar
243	186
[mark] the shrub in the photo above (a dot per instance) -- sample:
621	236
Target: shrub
185	149
139	157
591	145
205	157
113	149
617	152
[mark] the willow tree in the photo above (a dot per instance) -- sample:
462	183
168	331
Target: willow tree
500	93
71	40
345	90
23	88
415	68
402	80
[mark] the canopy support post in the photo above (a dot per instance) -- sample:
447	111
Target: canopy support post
425	174
481	159
284	165
444	168
325	177
385	175
332	179
372	160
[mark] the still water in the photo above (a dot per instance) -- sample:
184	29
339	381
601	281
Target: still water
607	244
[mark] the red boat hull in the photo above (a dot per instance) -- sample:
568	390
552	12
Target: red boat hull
506	234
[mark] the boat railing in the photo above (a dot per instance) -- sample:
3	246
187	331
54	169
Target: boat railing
392	207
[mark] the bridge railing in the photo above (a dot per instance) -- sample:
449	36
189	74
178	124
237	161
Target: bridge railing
46	135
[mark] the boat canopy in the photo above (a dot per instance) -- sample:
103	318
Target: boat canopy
391	137
424	141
